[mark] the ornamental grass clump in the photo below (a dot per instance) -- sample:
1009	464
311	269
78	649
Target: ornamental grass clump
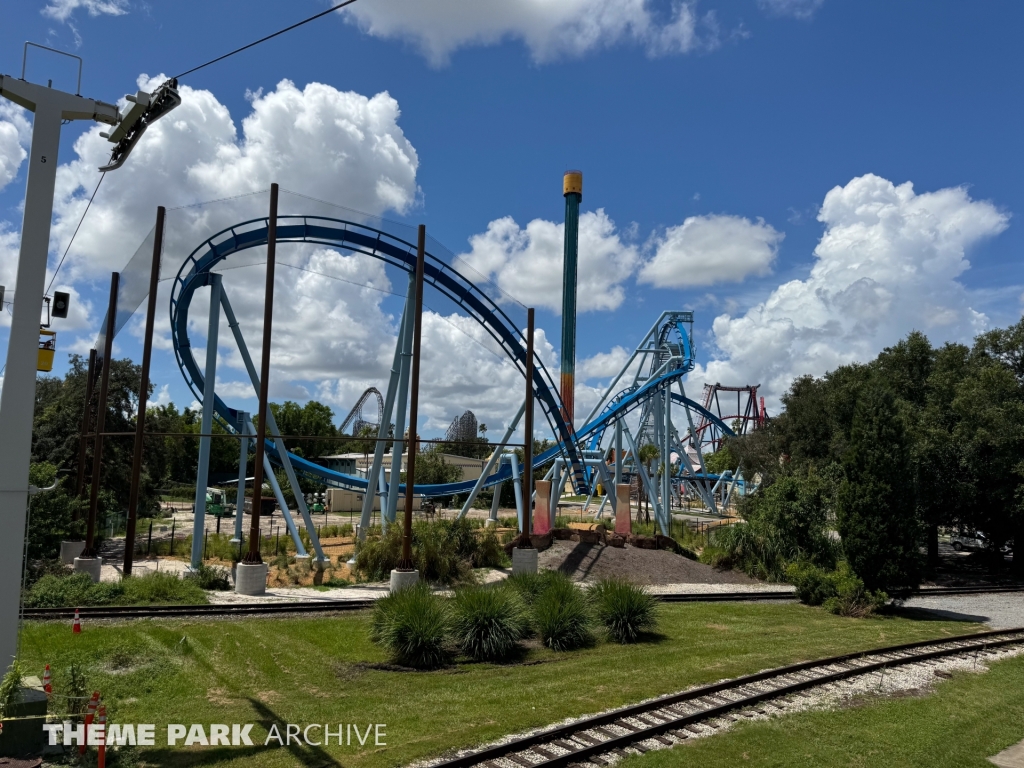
562	615
627	610
412	625
488	623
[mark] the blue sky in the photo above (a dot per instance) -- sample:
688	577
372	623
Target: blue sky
709	135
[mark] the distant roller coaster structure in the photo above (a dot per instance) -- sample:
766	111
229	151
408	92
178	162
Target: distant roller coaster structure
749	415
652	378
355	416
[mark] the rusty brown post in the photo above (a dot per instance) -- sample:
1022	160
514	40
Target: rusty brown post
83	440
140	418
406	564
252	557
524	540
101	414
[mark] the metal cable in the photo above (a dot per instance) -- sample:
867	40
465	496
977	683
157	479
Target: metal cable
87	207
264	39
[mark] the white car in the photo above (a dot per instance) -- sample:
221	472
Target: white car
968	540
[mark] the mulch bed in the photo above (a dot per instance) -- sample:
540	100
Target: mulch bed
589	562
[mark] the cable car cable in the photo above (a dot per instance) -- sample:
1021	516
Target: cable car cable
268	37
73	236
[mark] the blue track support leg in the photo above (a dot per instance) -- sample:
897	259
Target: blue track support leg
517	485
374	472
203	475
400	445
495	503
243	463
644	478
492	461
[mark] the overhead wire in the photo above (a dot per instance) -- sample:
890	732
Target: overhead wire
264	39
73	236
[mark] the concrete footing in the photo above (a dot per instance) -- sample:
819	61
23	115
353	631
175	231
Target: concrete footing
488	523
69	550
90	565
404	579
524	560
251	578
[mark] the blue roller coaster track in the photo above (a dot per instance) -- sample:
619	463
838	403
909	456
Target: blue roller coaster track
359	238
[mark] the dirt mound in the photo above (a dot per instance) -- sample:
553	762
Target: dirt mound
589	562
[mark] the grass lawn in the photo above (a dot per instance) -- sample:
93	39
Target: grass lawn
316	670
966	720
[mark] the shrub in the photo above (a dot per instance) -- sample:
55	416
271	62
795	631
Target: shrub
71	691
840	591
10	688
625	609
211	577
489	552
412	626
531	585
77	590
562	615
488	623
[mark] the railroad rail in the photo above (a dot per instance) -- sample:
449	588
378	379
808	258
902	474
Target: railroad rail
330	606
602	739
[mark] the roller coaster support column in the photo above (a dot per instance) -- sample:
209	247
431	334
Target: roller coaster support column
517	484
51	108
491	463
399	446
275	488
274	432
140	416
405	574
666	485
83	444
243	464
209	399
618	464
702	486
572	189
644	478
373	474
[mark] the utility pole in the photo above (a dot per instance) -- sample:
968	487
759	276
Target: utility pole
51	108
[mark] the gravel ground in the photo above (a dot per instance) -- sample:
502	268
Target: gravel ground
1000	611
589	562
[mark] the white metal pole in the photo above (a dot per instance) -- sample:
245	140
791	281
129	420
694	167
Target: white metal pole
206	425
17	401
243	462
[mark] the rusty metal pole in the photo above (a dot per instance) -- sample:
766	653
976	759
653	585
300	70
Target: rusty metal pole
140	418
83	440
252	557
524	539
406	564
101	413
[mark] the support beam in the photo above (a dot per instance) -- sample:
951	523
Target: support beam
374	472
399	443
243	464
209	400
492	461
517	485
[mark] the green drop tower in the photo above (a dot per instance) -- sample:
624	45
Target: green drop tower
572	189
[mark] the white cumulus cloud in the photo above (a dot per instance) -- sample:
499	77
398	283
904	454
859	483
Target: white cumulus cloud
548	29
798	9
527	263
62	10
15	137
704	250
887	264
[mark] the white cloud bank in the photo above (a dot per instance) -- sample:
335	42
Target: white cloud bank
62	10
526	263
548	29
15	135
704	250
798	9
887	264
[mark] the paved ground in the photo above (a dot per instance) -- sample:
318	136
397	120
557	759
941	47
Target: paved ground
1011	757
1001	611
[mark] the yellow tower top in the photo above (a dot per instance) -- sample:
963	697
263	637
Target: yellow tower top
572	182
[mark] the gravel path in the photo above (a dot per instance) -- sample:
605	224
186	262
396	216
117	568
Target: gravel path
1001	611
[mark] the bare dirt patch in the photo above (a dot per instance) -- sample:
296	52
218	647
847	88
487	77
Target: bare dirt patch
589	562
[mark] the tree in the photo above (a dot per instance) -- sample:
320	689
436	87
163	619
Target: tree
875	506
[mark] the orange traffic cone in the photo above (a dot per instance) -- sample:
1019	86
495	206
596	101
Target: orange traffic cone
101	754
47	686
90	713
77	626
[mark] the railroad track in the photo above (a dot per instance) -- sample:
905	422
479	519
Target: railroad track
331	606
603	739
